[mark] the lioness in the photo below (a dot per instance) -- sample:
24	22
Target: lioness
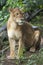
21	34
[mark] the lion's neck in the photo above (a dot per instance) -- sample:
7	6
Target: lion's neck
15	26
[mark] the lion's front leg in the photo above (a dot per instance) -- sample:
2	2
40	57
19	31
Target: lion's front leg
21	48
12	43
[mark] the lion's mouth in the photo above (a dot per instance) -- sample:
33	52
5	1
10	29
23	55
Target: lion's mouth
20	23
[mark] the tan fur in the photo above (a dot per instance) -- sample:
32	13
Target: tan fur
20	34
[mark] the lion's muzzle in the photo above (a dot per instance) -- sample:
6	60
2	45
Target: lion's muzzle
20	21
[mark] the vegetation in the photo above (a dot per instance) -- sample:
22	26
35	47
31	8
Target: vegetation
24	5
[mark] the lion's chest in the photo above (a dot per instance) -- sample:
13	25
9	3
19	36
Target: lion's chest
12	33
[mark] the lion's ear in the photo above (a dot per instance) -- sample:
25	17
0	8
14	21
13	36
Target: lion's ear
10	10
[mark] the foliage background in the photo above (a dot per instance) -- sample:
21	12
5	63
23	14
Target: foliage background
24	5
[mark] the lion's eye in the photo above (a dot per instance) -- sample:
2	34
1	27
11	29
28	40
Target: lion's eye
17	13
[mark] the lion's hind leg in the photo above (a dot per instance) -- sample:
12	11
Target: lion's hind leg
37	40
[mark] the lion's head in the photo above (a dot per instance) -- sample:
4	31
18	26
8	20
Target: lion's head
17	16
